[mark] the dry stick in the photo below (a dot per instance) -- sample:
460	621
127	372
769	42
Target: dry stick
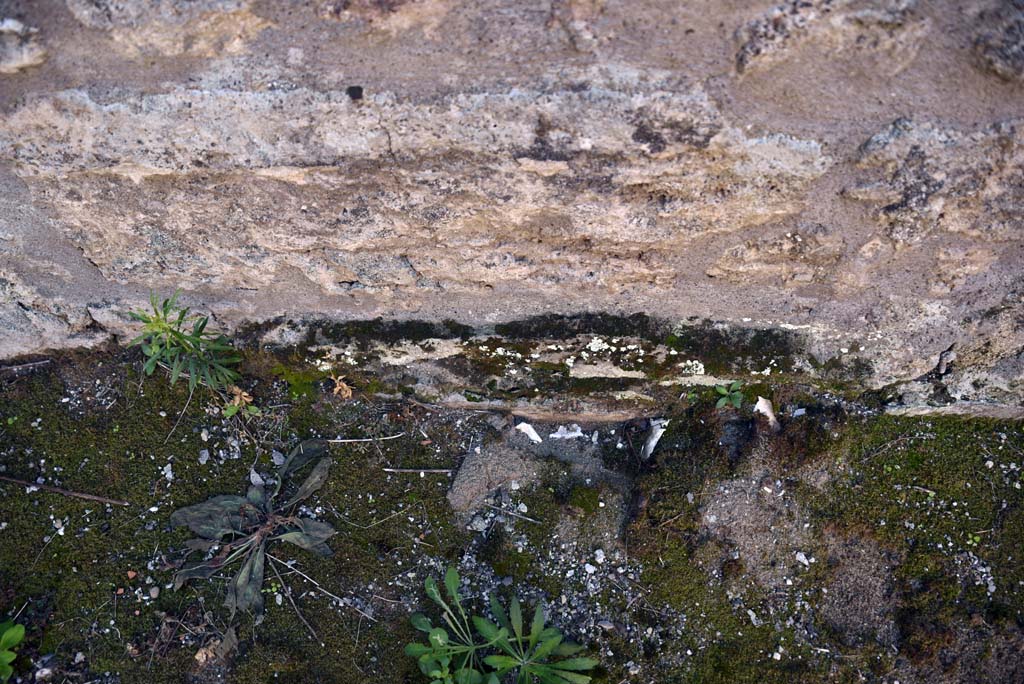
364	527
672	519
65	492
25	365
40	554
367	439
513	513
433	471
322	590
885	447
180	415
288	595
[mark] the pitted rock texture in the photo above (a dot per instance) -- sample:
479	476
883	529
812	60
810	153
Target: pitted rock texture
561	189
946	180
889	31
1000	41
170	27
849	169
19	47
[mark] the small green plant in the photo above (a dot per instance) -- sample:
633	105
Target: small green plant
241	526
10	636
730	394
234	409
241	401
177	340
475	650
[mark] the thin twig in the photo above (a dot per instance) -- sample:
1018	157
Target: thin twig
885	447
428	407
672	519
180	415
364	527
367	439
65	492
40	554
25	365
513	513
316	584
432	471
288	595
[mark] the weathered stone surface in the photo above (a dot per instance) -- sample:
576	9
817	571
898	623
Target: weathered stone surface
168	27
937	179
888	30
805	255
20	47
489	161
482	473
281	182
1000	41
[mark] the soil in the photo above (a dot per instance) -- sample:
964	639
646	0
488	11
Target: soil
851	545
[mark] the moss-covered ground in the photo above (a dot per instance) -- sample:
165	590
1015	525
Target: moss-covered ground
91	581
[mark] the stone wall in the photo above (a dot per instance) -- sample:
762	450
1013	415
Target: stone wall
850	169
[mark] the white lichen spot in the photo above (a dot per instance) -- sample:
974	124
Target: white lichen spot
691	367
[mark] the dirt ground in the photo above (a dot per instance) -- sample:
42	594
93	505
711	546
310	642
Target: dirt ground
847	545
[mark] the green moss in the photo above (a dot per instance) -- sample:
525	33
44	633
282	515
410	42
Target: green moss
70	583
729	349
482	361
555	326
585	386
923	487
930	473
503	557
117	453
587	499
726	647
364	333
881	469
301	380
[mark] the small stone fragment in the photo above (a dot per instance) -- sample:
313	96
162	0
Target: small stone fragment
528	430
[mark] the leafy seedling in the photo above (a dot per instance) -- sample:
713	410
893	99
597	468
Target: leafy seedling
241	402
178	341
450	655
729	395
237	528
474	650
10	636
542	655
